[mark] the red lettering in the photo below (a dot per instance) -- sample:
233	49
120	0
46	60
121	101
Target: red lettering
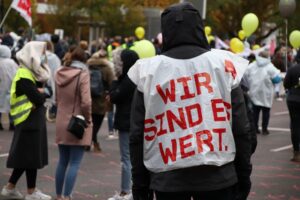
161	131
220	132
228	107
229	67
216	110
184	145
187	93
150	129
205	83
168	94
172	118
197	113
200	141
167	153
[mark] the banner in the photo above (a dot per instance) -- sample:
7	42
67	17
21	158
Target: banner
24	8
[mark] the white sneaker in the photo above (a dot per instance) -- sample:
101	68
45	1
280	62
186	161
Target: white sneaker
112	136
279	99
37	194
118	197
11	194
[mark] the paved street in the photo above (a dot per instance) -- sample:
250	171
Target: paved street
274	176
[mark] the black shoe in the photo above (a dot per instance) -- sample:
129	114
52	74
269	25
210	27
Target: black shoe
87	148
258	131
266	132
1	127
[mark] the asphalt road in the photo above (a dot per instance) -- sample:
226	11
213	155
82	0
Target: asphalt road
274	177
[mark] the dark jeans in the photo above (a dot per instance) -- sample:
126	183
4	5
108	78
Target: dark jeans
30	177
224	194
265	116
97	122
294	110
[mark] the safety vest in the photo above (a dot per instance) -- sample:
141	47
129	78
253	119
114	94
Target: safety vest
20	107
188	109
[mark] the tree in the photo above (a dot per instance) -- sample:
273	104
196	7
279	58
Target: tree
225	16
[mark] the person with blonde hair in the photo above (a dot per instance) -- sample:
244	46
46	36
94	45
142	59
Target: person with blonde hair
29	147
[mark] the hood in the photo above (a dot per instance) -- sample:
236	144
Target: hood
33	57
182	25
128	58
66	75
5	51
261	61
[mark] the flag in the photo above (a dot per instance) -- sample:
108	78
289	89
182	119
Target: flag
24	8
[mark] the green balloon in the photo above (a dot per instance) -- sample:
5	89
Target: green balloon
250	23
295	39
144	48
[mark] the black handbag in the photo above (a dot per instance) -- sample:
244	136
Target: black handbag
76	124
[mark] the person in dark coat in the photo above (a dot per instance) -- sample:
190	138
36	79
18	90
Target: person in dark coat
292	85
29	147
184	42
121	95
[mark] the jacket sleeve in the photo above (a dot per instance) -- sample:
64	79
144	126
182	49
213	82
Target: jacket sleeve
121	90
242	136
85	96
288	83
27	87
140	174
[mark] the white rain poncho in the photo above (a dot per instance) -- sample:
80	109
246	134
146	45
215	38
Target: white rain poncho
259	76
8	70
188	109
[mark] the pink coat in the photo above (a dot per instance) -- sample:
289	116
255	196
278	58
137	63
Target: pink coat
66	80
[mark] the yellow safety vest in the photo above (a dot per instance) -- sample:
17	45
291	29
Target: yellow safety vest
20	107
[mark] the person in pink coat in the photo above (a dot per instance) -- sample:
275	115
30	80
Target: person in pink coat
71	149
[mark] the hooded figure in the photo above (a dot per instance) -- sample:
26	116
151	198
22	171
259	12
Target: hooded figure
8	70
121	95
29	147
261	76
173	145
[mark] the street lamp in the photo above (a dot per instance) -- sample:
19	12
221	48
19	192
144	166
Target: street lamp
286	9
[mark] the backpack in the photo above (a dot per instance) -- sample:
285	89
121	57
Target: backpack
97	86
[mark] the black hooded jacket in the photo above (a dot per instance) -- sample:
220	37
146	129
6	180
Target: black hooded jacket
121	92
184	38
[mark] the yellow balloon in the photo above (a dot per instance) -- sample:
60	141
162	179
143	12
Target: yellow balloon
236	45
140	32
250	23
255	47
242	34
295	39
144	48
207	30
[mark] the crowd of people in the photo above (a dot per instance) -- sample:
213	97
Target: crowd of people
168	148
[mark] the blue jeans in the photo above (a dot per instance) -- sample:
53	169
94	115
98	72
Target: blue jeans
110	120
125	161
69	156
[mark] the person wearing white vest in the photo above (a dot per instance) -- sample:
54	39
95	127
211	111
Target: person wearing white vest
189	133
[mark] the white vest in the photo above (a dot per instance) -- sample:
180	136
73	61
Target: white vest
188	109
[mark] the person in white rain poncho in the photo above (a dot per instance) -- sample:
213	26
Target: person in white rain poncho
261	76
8	70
